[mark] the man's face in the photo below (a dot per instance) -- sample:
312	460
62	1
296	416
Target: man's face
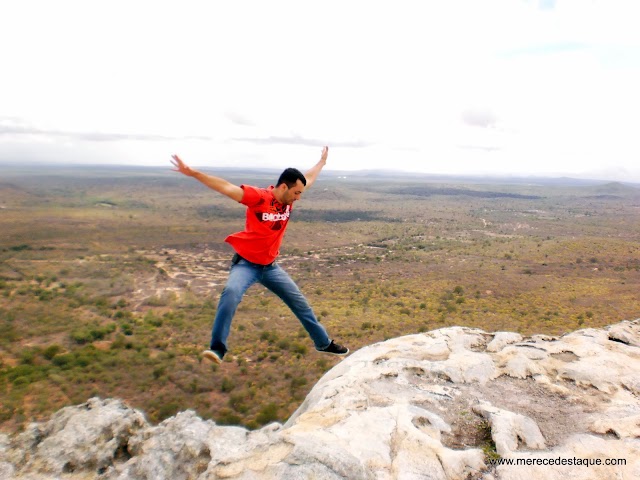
292	194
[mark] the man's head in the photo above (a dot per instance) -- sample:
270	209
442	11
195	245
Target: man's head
290	186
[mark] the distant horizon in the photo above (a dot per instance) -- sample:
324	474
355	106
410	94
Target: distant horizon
332	171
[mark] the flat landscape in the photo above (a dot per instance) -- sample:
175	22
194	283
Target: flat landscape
109	279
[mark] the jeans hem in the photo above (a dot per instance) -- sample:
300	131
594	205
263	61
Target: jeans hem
325	347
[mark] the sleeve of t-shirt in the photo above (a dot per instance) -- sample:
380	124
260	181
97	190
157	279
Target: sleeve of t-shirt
252	196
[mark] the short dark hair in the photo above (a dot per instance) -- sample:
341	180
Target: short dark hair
290	177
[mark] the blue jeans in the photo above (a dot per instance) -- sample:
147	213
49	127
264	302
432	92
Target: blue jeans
244	274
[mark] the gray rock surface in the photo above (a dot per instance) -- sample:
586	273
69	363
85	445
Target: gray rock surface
437	405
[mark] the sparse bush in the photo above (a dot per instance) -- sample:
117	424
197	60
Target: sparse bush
27	357
126	329
81	336
46	295
168	410
51	351
268	414
299	349
151	319
296	383
155	301
271	337
101	302
227	417
63	361
227	385
119	342
237	402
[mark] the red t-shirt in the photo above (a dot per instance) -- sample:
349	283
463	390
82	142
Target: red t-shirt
266	222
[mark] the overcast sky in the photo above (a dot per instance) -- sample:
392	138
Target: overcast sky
505	87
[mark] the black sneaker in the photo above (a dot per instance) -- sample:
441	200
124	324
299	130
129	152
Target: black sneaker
212	356
335	349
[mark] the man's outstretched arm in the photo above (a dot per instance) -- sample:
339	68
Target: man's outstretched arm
313	173
215	183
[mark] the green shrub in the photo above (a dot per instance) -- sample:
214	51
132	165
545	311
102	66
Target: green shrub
126	329
156	302
151	319
237	402
227	385
271	337
101	302
227	417
268	414
64	361
21	381
119	342
97	333
299	349
46	295
51	351
168	410
159	372
81	336
298	382
27	357
21	371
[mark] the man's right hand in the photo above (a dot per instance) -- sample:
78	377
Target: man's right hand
215	183
181	166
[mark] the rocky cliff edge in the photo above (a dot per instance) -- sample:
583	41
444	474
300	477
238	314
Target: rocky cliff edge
447	404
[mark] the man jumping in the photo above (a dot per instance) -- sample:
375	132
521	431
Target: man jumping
257	247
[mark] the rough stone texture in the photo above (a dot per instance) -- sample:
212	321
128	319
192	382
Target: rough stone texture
87	437
438	405
509	429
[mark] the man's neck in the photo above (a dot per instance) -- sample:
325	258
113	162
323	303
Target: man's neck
277	194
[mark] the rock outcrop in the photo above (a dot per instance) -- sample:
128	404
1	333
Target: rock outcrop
447	404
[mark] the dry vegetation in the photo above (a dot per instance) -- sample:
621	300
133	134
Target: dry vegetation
109	281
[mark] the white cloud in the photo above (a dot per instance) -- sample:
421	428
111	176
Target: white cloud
498	86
